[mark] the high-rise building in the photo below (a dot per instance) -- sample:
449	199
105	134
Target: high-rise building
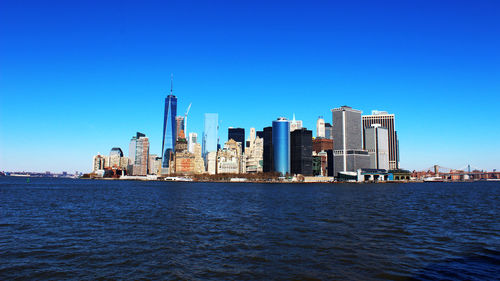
237	134
377	144
192	140
141	154
115	156
260	134
169	131
210	138
267	149
295	124
386	120
347	134
199	163
179	126
229	159
301	152
99	163
328	131
211	162
254	153
320	127
281	145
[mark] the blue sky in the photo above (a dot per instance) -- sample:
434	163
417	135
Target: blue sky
80	77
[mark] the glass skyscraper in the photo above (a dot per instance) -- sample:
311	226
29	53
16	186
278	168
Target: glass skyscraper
210	133
169	130
281	145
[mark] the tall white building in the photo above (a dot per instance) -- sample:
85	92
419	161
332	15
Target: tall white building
192	139
320	127
295	124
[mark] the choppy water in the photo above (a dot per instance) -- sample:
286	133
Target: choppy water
87	229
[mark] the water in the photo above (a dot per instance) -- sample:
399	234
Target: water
89	229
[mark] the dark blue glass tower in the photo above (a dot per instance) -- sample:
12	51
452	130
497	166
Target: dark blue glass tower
169	129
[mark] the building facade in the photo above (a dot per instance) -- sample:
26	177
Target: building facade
210	137
295	124
179	126
141	155
237	134
320	127
169	131
281	145
321	144
328	131
348	141
254	153
376	142
192	140
388	121
267	149
301	152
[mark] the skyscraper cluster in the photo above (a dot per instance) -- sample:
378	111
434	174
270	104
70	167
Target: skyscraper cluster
350	143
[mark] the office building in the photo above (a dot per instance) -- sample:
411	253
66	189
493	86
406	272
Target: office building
115	156
377	144
267	134
260	134
328	131
386	120
140	153
154	164
179	126
295	124
237	134
199	163
192	140
348	141
321	144
169	131
210	137
301	152
320	127
99	163
254	153
229	159
211	162
281	145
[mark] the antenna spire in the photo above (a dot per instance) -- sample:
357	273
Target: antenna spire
171	83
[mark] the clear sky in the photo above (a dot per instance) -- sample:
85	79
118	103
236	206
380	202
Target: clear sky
80	77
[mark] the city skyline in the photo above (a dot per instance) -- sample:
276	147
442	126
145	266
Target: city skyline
69	98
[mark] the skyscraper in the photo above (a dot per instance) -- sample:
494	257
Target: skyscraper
295	124
237	134
377	144
347	145
328	131
301	152
179	126
386	120
320	127
192	140
210	133
141	154
169	130
267	135
281	145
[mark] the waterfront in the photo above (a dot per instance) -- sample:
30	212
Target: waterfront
90	229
